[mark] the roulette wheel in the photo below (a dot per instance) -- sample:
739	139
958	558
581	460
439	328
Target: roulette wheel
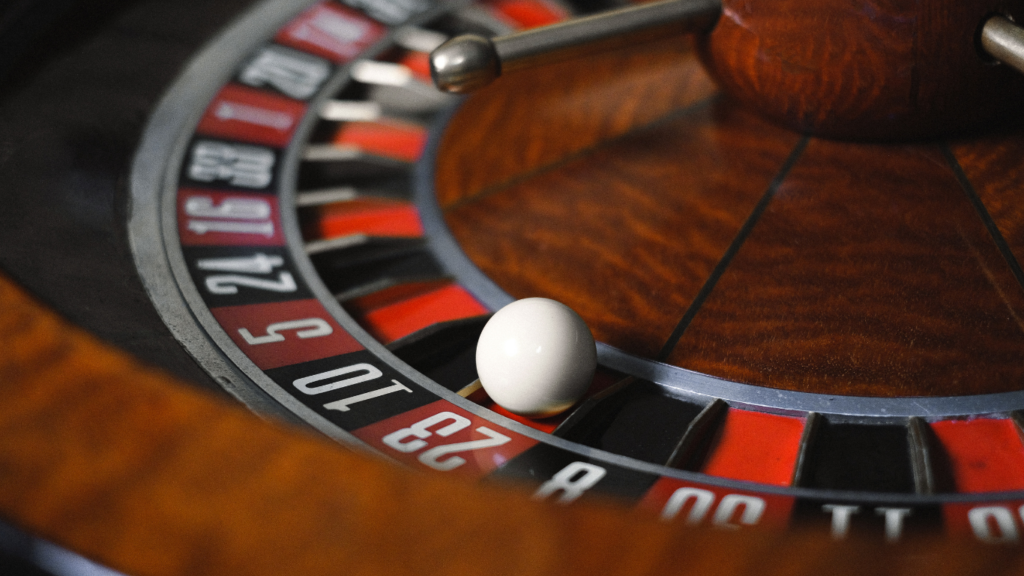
807	330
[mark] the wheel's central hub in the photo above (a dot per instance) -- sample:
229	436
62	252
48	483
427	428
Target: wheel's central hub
845	69
863	69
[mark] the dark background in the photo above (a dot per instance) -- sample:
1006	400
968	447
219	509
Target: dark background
78	80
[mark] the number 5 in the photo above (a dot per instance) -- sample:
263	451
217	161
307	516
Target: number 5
307	328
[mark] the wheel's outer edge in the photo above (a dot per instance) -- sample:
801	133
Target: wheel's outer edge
142	473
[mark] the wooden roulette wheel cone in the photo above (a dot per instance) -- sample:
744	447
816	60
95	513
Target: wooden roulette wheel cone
174	482
864	70
689	230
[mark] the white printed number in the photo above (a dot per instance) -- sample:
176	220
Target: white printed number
295	74
339	28
242	269
571	482
236	164
344	377
232	216
306	328
414	438
732	511
390	11
995	524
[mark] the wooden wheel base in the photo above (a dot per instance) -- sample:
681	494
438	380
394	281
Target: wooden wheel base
145	475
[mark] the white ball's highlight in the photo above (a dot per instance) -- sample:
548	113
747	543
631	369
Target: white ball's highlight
536	357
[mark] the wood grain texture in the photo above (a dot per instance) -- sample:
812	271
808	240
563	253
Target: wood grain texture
627	232
993	166
152	478
863	69
529	120
870	273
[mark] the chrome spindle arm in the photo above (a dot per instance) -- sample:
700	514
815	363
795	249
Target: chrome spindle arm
1003	39
470	61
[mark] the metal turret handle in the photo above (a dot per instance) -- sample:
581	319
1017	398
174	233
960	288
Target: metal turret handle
470	61
1003	39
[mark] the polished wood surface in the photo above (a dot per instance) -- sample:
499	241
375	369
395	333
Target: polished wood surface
529	120
869	270
869	273
153	478
628	233
864	69
992	166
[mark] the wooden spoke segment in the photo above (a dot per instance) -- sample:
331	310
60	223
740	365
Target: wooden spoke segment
863	261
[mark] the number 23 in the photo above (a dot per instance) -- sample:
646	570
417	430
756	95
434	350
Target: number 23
432	457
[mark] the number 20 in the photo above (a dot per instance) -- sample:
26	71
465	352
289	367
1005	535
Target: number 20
421	430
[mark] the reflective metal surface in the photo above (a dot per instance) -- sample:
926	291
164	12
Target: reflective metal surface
1004	41
470	61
